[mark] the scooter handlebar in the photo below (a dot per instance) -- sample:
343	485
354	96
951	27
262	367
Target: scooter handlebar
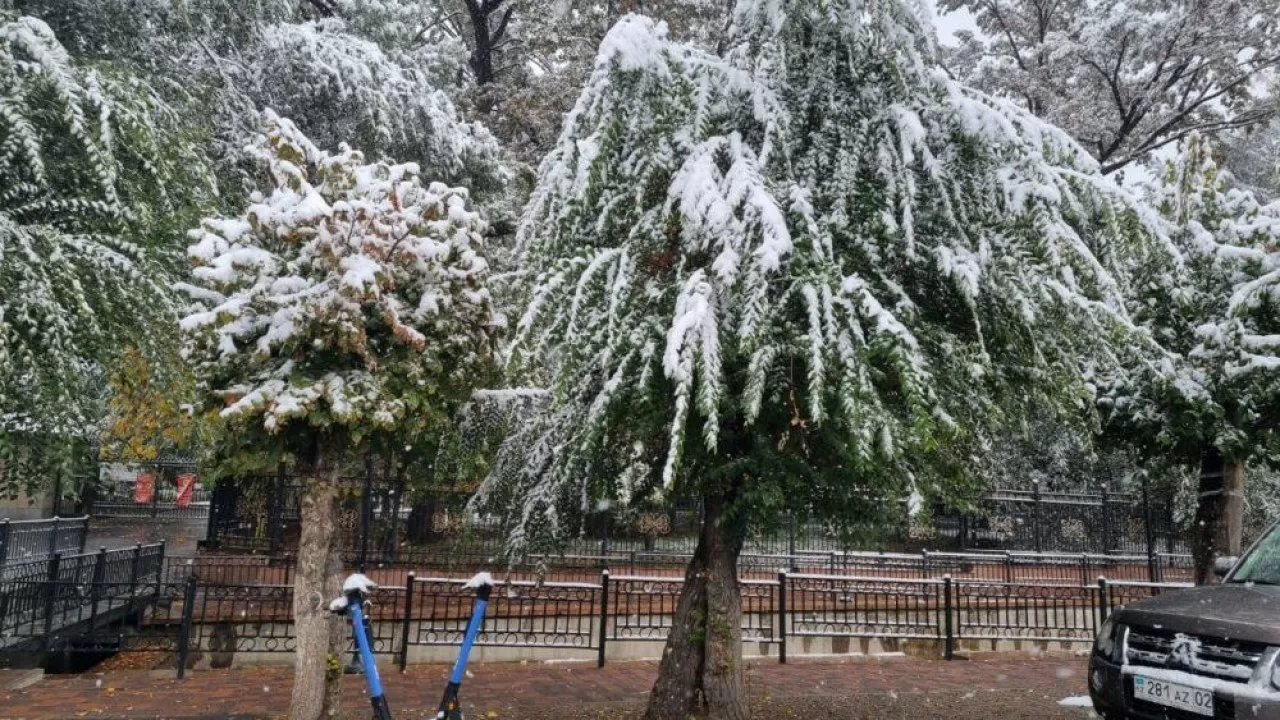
355	590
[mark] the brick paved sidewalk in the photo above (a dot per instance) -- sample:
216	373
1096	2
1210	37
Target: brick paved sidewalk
1021	686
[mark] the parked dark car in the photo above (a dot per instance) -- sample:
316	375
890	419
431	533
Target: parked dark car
1204	652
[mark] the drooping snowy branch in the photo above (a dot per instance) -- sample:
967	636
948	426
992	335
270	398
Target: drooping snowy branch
817	244
1217	322
89	163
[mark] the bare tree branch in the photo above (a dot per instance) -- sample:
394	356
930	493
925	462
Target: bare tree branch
326	8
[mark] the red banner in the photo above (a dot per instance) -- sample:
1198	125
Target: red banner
143	488
186	487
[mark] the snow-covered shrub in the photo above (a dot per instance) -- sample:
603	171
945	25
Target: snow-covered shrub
348	299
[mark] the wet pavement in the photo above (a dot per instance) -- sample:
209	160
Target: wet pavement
180	536
1010	687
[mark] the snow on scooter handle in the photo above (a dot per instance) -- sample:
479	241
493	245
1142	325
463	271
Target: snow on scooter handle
450	709
355	591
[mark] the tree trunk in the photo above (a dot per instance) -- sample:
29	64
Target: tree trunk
701	670
317	674
1232	538
418	528
1219	513
486	38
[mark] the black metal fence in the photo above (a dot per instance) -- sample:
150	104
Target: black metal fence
23	541
53	598
262	514
118	500
136	600
1008	567
1101	523
383	527
520	613
990	611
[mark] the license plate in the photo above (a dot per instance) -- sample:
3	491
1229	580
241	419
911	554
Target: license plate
1183	697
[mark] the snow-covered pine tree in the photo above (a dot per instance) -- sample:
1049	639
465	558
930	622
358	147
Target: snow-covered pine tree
90	163
1253	154
541	67
347	303
815	272
1212	400
350	71
350	90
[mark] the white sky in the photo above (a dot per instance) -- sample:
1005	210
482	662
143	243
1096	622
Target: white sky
949	23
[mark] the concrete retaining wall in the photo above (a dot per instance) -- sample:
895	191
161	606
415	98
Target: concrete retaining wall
217	646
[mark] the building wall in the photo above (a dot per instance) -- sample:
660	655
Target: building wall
25	507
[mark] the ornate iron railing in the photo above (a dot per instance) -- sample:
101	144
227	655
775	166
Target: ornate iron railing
136	600
261	514
26	541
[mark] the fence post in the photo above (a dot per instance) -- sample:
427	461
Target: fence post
366	512
1084	569
604	617
782	617
396	522
791	536
946	611
133	571
1107	531
157	480
51	593
407	620
4	611
53	538
211	521
136	570
184	635
1153	572
160	569
1008	566
1103	611
57	493
84	533
95	587
1036	517
275	513
924	564
5	529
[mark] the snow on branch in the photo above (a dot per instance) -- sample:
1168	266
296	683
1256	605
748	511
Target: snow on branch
87	161
340	293
817	230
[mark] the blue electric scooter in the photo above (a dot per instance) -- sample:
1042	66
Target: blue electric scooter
449	709
355	593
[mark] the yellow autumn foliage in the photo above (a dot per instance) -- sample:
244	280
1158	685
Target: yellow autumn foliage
149	413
